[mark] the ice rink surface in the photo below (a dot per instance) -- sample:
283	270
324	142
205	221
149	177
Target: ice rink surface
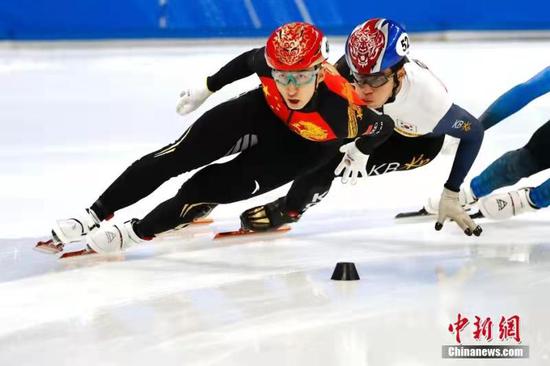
74	117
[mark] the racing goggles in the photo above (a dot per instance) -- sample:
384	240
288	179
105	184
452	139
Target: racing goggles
375	80
298	78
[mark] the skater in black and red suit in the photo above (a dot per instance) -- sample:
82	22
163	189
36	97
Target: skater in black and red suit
294	123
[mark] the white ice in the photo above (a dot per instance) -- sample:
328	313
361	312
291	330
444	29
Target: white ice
74	117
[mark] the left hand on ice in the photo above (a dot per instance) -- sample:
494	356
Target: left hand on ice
450	208
353	163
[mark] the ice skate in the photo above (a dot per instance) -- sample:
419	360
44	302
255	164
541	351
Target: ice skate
245	232
505	205
112	239
268	217
75	228
68	231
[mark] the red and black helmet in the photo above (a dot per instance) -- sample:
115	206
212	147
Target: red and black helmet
296	46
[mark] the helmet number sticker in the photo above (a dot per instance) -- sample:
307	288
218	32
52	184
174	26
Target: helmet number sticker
402	46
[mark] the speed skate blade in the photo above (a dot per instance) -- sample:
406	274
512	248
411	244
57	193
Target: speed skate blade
477	215
202	221
241	232
422	213
407	215
77	253
49	247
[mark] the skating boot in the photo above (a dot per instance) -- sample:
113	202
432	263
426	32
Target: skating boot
505	205
112	239
68	231
268	217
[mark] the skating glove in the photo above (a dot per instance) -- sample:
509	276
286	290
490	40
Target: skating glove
465	197
353	163
450	208
192	98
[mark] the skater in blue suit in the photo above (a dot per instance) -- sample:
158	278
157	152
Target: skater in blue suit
516	164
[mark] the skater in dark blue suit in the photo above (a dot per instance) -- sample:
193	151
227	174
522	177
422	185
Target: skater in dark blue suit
516	164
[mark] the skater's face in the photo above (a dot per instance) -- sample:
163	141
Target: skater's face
297	87
376	89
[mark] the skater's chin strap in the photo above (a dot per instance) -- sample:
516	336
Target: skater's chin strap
395	68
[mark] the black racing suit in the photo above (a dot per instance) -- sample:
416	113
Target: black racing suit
276	145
